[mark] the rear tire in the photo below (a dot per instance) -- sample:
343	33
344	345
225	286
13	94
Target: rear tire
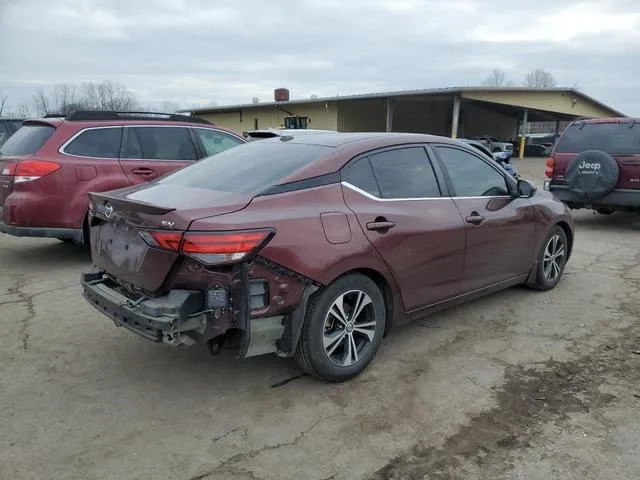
343	329
551	260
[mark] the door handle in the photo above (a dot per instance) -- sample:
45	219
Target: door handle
475	218
380	226
143	171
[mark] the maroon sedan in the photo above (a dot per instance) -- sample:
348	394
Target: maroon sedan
316	246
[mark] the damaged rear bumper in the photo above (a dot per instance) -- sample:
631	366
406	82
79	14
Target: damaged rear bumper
188	317
176	319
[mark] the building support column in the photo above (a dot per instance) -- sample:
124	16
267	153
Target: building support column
555	139
524	129
455	118
389	127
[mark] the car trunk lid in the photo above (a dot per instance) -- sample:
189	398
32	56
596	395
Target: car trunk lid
120	217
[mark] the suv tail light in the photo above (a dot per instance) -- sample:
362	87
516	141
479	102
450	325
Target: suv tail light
29	170
551	163
211	248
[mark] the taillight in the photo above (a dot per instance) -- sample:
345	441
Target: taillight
551	163
29	170
165	240
211	247
224	247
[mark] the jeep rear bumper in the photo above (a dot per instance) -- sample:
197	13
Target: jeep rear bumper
617	199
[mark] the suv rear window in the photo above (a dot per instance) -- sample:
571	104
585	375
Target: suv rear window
248	168
622	138
27	140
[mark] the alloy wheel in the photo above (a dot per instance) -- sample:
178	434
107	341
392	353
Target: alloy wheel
554	258
349	328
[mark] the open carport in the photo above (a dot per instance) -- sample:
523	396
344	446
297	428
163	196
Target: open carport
456	112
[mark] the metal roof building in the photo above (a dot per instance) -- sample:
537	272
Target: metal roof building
457	112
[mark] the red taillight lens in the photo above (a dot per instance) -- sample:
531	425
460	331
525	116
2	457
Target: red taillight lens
210	247
223	247
551	163
164	240
28	170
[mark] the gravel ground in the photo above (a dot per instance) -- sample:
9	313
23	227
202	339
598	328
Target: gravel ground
517	385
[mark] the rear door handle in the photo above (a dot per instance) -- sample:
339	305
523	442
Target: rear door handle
475	218
144	171
380	226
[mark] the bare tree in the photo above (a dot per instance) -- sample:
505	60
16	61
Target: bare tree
3	101
497	78
66	98
539	78
169	106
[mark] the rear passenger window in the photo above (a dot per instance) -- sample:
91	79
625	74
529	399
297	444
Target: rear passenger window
359	174
97	142
405	173
159	143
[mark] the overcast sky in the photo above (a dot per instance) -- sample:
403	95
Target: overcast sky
196	52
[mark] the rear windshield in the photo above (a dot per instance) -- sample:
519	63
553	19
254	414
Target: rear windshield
622	138
248	168
27	140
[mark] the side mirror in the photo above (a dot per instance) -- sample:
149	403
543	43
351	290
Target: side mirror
526	189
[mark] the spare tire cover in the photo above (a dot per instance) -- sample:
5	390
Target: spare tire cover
591	175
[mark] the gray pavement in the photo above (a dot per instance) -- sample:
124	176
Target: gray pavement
517	385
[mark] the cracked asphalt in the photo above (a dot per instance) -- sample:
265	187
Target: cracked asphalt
520	384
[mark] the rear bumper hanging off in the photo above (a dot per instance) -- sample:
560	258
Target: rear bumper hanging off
165	319
186	317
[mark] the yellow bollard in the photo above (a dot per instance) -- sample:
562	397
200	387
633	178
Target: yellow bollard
521	152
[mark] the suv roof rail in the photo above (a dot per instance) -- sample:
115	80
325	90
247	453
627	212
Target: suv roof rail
54	115
112	115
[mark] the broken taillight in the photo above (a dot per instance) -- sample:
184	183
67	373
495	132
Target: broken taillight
211	247
551	163
29	170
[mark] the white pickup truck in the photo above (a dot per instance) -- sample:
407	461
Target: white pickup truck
494	145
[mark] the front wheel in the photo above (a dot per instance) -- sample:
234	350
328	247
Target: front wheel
343	329
552	259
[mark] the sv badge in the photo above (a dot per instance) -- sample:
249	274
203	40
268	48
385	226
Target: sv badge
167	224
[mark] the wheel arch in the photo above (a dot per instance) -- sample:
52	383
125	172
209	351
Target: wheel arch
385	287
569	233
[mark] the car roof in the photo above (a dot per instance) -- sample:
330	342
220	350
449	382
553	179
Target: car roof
607	120
348	145
82	124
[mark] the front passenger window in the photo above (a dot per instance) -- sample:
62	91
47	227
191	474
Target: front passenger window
471	176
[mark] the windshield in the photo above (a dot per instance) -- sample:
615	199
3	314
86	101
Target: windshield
620	138
27	140
248	168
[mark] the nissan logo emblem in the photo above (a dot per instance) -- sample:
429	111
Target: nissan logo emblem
108	210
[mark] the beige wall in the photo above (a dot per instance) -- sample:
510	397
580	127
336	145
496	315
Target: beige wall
322	116
362	116
550	101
